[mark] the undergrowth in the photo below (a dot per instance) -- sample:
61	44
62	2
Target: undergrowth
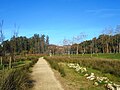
103	65
17	78
56	66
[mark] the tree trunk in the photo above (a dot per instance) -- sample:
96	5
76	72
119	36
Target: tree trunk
91	52
1	61
77	49
10	63
107	48
119	47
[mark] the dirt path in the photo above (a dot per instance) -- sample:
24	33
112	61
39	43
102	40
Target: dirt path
44	77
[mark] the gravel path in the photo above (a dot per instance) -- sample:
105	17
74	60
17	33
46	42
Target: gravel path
44	77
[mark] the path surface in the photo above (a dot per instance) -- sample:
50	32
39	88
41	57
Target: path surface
44	77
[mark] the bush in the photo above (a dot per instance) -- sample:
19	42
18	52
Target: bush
1	67
17	78
54	64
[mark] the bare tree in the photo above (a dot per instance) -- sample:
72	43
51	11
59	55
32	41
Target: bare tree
78	39
1	32
13	44
16	30
1	38
67	44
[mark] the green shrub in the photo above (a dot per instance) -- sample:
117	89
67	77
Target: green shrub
54	64
1	67
62	72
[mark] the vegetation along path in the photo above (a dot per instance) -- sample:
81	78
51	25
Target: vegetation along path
44	77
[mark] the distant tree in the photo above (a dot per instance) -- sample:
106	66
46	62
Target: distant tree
13	42
36	40
52	49
117	32
47	43
107	32
67	47
1	32
95	48
107	42
1	37
78	39
42	44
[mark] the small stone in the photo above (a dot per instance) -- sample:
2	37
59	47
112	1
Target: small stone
109	86
86	75
117	86
96	84
92	78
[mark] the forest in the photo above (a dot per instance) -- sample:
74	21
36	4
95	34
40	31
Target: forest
22	45
108	42
103	44
39	44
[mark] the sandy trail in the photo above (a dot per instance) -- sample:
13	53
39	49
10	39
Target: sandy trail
44	77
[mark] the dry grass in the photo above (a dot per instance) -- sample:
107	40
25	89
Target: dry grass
74	81
103	65
16	78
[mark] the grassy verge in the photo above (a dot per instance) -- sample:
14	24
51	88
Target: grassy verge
76	81
104	65
17	78
99	66
55	65
99	55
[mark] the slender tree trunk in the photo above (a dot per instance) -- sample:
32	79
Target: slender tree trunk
1	61
103	50
91	51
50	53
84	50
77	49
10	63
107	48
119	47
114	51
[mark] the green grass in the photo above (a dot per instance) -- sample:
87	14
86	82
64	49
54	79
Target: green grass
99	55
20	63
104	65
111	77
109	56
56	66
76	81
17	78
100	66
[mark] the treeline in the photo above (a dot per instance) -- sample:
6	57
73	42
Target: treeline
37	44
103	44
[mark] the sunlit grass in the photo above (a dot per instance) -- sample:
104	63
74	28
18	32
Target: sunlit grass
77	81
99	55
17	77
102	67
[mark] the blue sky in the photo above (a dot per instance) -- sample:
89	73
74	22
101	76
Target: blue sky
59	19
